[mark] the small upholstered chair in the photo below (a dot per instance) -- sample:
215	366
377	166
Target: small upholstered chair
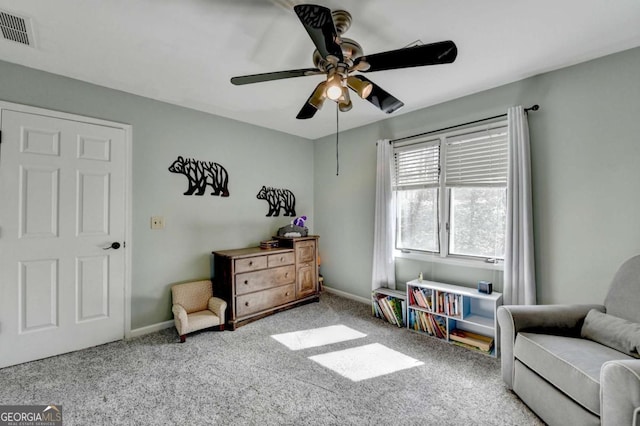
195	308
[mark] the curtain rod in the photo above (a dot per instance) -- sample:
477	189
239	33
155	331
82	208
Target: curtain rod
532	108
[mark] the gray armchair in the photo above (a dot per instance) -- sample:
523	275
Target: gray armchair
578	364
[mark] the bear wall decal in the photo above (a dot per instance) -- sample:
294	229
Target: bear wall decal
202	174
278	199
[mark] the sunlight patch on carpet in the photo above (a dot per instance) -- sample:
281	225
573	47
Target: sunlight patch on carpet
317	337
366	362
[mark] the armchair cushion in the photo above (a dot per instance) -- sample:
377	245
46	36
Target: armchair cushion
200	320
614	332
553	319
571	364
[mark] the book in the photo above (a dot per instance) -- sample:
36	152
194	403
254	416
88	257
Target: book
478	341
439	326
428	326
412	298
396	309
418	297
421	297
471	347
375	309
391	308
385	309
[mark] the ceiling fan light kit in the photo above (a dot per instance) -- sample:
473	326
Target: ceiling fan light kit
344	103
362	88
338	58
334	85
318	96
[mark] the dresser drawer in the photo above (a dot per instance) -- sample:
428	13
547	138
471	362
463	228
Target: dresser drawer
250	264
281	259
260	280
266	299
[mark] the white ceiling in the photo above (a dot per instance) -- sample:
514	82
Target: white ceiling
185	51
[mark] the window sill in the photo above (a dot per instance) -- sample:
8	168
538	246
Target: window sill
434	258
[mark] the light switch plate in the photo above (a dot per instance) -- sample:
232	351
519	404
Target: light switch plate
157	222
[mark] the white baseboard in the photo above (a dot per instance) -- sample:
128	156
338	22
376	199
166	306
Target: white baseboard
150	329
347	295
168	324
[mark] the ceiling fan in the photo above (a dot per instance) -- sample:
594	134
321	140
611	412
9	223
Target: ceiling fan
339	57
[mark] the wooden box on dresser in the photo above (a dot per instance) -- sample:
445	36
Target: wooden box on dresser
257	282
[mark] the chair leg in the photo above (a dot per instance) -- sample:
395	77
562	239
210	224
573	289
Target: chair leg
183	338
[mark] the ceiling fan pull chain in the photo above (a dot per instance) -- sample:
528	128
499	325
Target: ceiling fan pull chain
337	138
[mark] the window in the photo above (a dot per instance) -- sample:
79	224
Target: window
416	186
450	192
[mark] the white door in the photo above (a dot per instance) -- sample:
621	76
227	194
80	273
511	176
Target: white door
62	202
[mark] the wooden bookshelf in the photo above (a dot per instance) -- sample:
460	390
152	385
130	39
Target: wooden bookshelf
456	314
389	305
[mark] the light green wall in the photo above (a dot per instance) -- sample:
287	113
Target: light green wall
585	143
586	158
194	225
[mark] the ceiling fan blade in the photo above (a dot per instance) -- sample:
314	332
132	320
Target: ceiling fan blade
307	111
318	22
314	103
278	75
380	98
443	52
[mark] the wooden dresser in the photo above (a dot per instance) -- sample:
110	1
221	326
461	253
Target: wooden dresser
257	282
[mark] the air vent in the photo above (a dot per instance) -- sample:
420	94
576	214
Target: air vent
16	28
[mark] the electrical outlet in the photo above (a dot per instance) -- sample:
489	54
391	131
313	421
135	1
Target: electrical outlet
157	222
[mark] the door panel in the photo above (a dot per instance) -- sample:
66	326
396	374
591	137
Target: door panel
62	185
306	251
38	307
38	209
93	204
38	141
306	281
92	287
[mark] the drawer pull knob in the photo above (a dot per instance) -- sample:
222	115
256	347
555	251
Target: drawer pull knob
246	303
246	281
286	274
251	263
281	259
287	293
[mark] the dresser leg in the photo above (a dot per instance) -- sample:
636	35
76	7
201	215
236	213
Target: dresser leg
183	338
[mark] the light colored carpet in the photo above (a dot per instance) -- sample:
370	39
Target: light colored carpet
246	377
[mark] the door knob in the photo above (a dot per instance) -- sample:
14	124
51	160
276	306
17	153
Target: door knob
115	245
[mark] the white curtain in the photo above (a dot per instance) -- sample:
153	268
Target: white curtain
383	274
519	267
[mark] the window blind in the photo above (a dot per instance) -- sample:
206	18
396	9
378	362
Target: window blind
417	165
478	158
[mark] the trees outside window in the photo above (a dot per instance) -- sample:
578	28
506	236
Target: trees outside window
477	222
